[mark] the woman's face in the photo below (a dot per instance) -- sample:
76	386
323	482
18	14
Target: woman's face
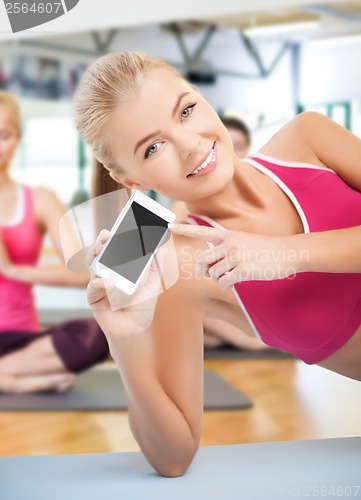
168	138
9	138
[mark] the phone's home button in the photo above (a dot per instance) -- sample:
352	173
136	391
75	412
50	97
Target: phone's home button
114	277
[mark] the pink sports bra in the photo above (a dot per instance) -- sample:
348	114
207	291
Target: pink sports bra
23	241
313	314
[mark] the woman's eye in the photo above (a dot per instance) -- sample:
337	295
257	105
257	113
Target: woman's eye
187	111
152	149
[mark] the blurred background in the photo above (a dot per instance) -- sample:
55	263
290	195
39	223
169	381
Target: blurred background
262	61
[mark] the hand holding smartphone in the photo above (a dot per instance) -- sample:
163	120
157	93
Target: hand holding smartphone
139	231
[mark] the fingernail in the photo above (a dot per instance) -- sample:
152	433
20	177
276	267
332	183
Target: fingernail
174	226
102	234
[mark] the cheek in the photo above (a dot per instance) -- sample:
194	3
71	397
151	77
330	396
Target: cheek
161	169
7	147
160	180
165	180
11	147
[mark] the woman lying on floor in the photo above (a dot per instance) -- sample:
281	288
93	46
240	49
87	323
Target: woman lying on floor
284	232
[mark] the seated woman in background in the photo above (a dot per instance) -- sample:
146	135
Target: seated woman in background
30	359
216	331
240	135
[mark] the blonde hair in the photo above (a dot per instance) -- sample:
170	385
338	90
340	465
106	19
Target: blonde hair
12	106
105	86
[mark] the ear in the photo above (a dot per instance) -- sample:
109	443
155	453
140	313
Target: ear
128	183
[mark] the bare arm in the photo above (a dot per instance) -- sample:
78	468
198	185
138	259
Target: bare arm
329	251
165	391
334	146
48	211
314	138
162	369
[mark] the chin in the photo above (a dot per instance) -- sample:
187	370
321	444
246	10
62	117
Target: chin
224	175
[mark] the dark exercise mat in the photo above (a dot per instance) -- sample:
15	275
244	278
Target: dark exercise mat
283	471
230	352
55	316
102	389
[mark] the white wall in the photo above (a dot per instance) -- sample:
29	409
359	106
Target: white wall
331	72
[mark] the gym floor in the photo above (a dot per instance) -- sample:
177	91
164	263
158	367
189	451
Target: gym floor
291	401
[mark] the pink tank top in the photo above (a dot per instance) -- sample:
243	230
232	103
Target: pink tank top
23	241
313	314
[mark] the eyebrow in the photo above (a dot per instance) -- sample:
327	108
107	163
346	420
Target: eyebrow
145	139
153	134
178	102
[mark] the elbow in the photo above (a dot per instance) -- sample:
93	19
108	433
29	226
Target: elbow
175	466
174	470
168	457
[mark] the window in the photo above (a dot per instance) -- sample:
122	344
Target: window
49	156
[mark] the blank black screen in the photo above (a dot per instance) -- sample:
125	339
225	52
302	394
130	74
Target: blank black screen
134	241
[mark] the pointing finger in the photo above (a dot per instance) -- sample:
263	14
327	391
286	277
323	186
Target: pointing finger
103	236
210	234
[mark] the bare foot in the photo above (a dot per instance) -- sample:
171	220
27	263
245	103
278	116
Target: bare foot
59	382
38	358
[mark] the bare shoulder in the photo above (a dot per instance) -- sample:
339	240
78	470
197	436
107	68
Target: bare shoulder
47	205
292	142
313	138
46	199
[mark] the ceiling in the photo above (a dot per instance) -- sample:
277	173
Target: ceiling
102	20
340	17
331	19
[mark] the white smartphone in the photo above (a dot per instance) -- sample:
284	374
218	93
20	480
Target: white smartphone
140	229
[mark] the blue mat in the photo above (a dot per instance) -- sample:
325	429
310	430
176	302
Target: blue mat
328	468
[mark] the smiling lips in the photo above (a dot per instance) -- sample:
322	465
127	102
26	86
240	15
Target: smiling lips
207	164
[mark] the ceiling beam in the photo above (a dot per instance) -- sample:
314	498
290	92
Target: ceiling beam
104	45
322	10
177	31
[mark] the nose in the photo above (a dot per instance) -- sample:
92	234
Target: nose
188	145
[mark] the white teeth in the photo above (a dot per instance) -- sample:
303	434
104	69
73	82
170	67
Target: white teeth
206	162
